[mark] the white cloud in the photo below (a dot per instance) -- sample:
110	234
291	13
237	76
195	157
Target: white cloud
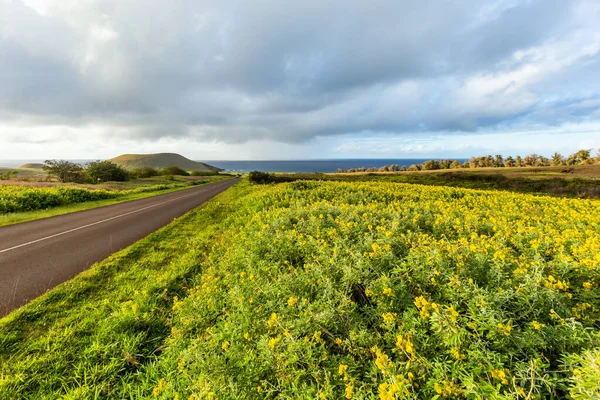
233	73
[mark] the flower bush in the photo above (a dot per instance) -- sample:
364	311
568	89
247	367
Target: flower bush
389	291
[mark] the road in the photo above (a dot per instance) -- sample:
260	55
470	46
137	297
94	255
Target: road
38	255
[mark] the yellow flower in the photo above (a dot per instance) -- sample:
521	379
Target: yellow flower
453	313
403	343
387	391
388	291
382	361
388	317
505	328
159	387
225	345
342	369
292	301
349	391
537	326
500	375
317	337
272	320
456	353
273	342
421	302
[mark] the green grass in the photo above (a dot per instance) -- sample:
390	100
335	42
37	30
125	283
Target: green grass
141	185
324	289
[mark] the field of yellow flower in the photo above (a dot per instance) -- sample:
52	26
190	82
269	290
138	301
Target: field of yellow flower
337	290
361	290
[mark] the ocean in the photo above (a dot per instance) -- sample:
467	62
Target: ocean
279	165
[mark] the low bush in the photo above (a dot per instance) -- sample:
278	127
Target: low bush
204	173
174	170
145	172
24	198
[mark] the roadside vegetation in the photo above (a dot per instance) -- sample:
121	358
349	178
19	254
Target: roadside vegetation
60	186
21	202
329	290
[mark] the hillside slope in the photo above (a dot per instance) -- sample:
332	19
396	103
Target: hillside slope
160	160
32	166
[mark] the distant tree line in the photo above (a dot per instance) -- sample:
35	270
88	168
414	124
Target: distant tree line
580	157
107	171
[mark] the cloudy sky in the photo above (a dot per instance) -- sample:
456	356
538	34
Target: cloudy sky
273	79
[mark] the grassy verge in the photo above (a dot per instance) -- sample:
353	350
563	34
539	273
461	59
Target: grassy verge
14	218
328	290
96	335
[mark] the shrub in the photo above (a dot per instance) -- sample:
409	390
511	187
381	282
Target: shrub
392	291
106	171
204	173
145	172
174	170
261	177
24	198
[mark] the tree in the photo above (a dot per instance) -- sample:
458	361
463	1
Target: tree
543	161
446	164
530	160
581	157
64	171
106	171
430	165
557	159
509	162
455	164
519	161
498	161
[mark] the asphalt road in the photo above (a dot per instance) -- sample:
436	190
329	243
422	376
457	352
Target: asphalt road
38	255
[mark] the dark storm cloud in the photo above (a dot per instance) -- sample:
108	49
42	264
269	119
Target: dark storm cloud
290	71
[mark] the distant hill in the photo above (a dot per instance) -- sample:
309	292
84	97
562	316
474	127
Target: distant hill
33	166
160	160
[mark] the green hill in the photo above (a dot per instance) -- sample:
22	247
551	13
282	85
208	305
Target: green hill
160	160
32	166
